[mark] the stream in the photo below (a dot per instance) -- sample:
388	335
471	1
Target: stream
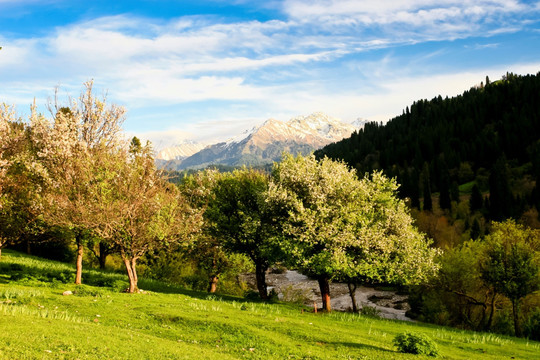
295	287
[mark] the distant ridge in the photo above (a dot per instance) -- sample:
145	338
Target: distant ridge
265	143
180	151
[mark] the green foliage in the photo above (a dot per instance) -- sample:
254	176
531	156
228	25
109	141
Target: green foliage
416	343
457	296
22	180
482	283
463	139
532	325
182	269
346	228
511	265
239	218
370	311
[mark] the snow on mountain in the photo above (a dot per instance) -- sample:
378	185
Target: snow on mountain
265	143
180	151
360	123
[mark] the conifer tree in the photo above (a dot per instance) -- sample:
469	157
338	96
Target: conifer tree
475	201
500	196
428	204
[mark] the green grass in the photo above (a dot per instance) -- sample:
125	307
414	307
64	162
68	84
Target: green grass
38	322
467	187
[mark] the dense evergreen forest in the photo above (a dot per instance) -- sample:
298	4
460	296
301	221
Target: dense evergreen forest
483	145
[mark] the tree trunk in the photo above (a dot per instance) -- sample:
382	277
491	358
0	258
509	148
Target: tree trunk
134	270
78	275
352	294
212	284
515	311
325	293
260	275
102	255
28	247
132	275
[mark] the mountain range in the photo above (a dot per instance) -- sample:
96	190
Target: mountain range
262	144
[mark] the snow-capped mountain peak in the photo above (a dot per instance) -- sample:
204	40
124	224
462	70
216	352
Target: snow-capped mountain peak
180	151
266	143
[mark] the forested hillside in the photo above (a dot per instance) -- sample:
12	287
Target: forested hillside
484	142
465	164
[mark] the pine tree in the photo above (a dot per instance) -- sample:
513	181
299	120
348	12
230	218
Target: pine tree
428	204
444	188
475	229
500	196
415	190
454	192
475	201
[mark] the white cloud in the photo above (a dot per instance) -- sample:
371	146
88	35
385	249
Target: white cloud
279	68
394	92
426	19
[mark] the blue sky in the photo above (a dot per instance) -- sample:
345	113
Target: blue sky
207	70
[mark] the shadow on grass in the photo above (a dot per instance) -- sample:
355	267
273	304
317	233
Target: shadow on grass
16	266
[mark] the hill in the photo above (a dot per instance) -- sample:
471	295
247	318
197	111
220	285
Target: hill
166	322
489	137
265	143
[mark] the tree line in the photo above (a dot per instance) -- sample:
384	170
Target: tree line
75	172
489	135
469	169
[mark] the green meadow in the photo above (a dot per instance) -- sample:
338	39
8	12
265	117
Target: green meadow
166	322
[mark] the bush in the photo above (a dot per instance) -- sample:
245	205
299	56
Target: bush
295	295
532	325
412	343
370	311
503	323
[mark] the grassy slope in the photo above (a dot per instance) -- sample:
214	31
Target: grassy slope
36	321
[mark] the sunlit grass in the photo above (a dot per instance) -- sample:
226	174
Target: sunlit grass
38	322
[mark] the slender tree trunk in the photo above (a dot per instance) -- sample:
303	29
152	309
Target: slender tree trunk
132	276
352	294
260	275
134	270
515	311
212	284
102	255
324	285
78	275
28	247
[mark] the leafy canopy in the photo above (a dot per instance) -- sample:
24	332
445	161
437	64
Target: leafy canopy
347	228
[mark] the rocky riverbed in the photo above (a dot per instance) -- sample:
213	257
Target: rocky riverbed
293	286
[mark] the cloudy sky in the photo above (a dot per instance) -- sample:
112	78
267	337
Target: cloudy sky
208	69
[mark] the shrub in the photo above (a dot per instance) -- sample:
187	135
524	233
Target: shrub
503	323
412	343
370	311
295	295
532	325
